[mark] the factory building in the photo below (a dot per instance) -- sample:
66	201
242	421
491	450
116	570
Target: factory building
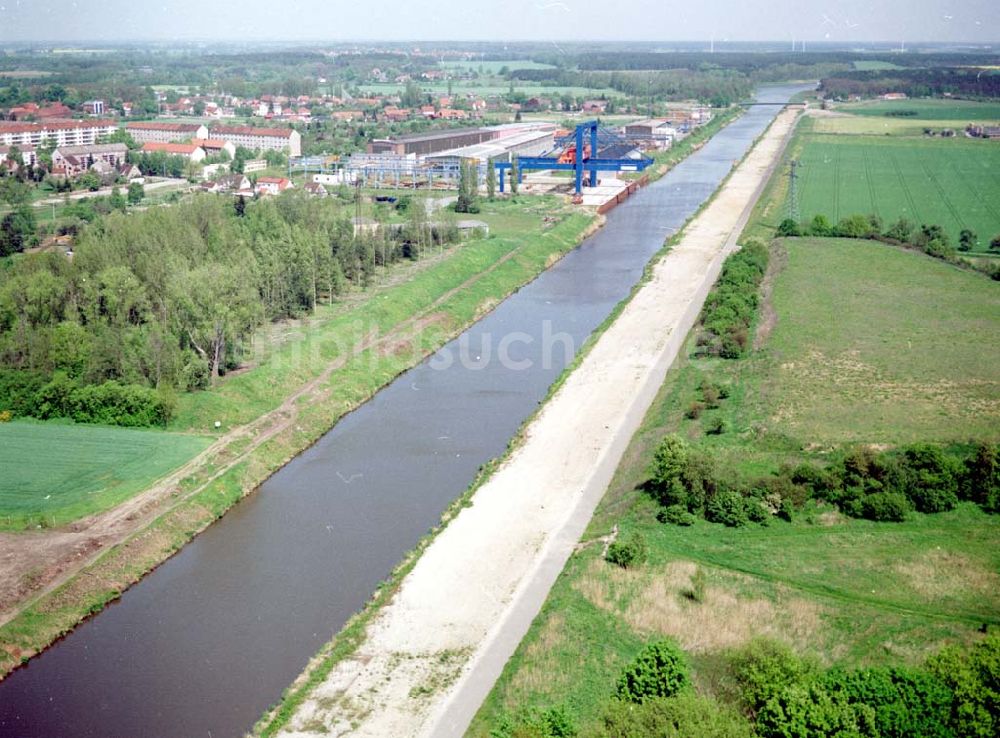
524	143
435	142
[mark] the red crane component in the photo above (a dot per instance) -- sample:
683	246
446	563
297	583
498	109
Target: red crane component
569	155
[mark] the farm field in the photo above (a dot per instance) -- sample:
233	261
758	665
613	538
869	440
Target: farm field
494	67
930	109
953	182
79	469
488	87
871	125
909	356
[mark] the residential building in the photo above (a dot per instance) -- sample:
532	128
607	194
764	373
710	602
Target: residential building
215	146
315	188
260	139
273	185
28	155
157	131
191	152
74	160
55	132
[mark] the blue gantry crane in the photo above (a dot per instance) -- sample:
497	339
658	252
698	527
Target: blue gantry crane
581	153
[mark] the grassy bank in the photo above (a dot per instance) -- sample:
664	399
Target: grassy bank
430	307
849	592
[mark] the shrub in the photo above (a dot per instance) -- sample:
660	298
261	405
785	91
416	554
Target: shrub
906	703
820	226
807	710
694	411
890	507
764	667
660	670
981	478
665	472
788	228
727	507
931	478
716	427
683	716
554	722
973	675
18	389
675	515
629	552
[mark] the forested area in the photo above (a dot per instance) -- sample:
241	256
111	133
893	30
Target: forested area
965	82
169	299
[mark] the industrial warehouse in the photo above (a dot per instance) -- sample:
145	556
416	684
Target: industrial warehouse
434	159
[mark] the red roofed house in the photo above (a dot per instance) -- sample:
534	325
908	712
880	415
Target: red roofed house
273	185
191	152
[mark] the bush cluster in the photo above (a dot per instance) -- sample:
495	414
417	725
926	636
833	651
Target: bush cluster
776	693
731	306
32	394
954	694
882	486
628	552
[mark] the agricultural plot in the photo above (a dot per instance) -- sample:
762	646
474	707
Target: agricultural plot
53	474
954	183
494	67
931	109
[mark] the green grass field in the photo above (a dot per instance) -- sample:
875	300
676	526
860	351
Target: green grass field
927	109
954	183
872	125
79	469
871	343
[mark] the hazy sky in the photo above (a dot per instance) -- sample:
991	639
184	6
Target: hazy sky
500	20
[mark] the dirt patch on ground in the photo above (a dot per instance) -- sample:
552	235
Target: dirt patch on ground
704	618
768	315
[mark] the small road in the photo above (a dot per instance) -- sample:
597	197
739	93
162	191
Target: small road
159	184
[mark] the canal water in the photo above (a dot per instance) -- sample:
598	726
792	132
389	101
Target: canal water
203	645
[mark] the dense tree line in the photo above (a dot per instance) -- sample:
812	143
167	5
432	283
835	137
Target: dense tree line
776	693
731	307
963	82
885	486
169	298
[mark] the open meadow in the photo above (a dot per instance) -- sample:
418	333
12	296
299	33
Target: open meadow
859	342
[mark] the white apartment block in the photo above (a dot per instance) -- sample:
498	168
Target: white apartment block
152	131
55	132
260	139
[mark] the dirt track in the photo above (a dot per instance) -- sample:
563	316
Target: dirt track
433	653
